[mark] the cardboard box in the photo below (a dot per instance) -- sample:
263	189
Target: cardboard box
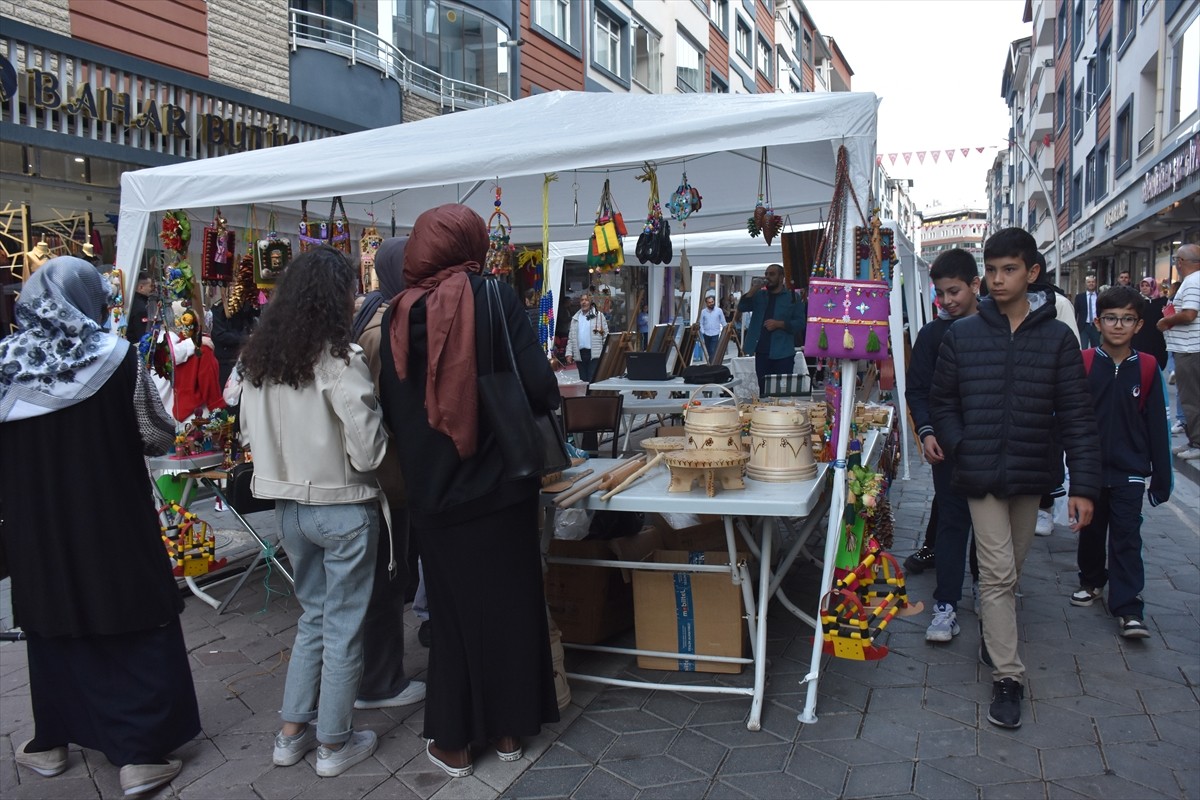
688	612
591	604
707	534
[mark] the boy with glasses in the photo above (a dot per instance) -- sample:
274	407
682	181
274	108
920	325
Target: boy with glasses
1130	400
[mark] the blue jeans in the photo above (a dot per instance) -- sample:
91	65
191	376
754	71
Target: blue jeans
764	365
332	551
1178	415
1117	518
710	347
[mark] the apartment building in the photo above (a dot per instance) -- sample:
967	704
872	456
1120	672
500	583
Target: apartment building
965	228
1104	98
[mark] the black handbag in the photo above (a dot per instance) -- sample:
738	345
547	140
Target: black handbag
706	373
238	494
531	443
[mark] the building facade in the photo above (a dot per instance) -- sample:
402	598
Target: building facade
965	228
1104	98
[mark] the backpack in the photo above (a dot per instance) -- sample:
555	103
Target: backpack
1146	365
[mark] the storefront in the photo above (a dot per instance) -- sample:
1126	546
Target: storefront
76	116
1143	226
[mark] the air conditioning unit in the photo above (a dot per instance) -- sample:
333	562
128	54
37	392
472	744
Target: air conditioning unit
1048	63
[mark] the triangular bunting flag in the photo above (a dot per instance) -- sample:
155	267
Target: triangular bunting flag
878	160
949	155
907	157
935	155
978	149
965	150
921	156
892	156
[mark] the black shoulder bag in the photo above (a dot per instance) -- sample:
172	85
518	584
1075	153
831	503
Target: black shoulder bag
530	442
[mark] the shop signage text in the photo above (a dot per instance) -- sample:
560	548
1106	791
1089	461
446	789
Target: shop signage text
1170	172
43	90
1116	212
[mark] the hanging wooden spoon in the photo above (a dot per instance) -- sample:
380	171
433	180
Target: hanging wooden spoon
565	483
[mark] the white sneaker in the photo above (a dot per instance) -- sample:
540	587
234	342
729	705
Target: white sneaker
1045	523
1171	378
944	625
1177	428
1179	448
413	693
1191	454
359	748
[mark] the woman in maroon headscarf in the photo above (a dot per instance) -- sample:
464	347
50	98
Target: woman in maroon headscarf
490	676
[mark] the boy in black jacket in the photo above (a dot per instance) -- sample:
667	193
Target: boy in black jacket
1009	390
1134	444
956	279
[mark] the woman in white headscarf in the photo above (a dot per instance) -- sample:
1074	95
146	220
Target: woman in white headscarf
91	583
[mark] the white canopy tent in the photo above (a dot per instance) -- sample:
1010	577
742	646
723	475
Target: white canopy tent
582	139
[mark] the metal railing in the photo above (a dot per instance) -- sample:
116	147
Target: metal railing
361	46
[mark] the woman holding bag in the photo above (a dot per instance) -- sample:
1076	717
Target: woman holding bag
490	675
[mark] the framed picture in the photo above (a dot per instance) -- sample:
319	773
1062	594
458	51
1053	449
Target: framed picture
612	357
687	344
660	338
271	257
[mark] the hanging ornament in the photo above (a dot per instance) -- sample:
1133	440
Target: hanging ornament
500	254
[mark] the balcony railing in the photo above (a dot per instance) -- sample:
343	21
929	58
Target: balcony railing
361	46
1145	143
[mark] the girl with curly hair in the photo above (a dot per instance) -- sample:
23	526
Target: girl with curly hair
310	416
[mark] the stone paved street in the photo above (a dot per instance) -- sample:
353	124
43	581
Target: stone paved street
1104	717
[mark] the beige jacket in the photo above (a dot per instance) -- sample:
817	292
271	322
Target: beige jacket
319	444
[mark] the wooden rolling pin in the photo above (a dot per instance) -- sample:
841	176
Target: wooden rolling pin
625	484
602	481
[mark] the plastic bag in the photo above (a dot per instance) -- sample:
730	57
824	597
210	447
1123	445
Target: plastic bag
572	523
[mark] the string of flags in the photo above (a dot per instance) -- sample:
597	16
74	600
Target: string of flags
934	154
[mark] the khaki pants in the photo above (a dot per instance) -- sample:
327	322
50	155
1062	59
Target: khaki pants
1003	533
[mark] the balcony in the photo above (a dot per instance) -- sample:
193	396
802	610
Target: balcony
361	46
1045	163
1040	124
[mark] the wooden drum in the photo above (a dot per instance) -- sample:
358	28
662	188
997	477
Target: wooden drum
780	445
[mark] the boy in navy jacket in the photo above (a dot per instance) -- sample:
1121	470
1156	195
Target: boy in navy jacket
955	277
1135	444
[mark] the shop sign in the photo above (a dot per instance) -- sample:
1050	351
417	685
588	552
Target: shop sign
1170	172
1116	212
1085	233
43	90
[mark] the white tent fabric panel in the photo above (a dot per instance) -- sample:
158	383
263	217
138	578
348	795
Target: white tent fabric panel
582	137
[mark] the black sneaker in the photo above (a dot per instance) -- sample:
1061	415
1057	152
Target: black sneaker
1005	710
920	561
424	634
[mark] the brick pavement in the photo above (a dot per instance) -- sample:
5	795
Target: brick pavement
1104	717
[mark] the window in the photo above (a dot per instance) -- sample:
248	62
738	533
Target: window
1077	113
1060	188
1060	106
1076	195
1089	178
1126	12
719	84
1077	28
741	41
647	66
606	43
1101	170
765	61
1032	220
1060	24
1103	65
1124	127
468	47
793	26
718	13
1090	90
1185	80
689	63
554	17
794	86
806	54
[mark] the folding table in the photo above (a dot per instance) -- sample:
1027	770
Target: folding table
205	470
756	513
637	406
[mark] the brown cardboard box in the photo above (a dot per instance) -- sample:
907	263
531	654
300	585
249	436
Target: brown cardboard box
591	604
708	534
704	610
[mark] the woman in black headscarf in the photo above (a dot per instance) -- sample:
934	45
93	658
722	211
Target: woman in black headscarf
91	583
384	682
490	675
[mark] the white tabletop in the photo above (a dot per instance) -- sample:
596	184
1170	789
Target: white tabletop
186	463
623	384
758	499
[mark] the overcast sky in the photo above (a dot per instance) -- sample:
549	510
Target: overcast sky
937	65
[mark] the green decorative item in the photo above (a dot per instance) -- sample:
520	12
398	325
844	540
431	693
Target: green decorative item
823	341
872	342
849	551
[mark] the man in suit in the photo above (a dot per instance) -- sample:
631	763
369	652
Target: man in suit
1085	312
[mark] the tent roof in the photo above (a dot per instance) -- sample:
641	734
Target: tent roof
583	137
